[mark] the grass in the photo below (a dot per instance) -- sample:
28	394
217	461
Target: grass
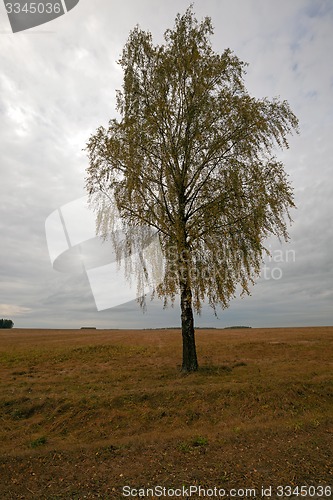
84	413
38	442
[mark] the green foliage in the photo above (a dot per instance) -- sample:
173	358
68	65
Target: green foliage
192	156
200	441
197	442
36	443
6	323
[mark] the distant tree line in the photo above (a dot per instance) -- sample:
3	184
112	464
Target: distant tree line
236	327
6	323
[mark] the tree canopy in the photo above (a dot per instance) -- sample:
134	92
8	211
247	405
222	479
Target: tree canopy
193	156
6	323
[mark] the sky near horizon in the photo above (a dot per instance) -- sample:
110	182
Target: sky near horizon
58	84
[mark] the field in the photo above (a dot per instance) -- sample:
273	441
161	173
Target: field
86	412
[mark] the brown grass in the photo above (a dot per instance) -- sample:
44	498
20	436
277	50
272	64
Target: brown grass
85	412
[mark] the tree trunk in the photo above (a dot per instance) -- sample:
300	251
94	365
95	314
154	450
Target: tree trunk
190	362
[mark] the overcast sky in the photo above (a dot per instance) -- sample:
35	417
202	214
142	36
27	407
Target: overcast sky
57	85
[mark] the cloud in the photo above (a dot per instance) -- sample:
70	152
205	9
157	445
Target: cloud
58	86
13	310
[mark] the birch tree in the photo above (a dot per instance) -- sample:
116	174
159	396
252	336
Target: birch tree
193	156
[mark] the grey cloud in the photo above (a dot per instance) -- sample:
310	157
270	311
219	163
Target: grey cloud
56	88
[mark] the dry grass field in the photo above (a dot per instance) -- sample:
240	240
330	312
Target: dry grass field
86	412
